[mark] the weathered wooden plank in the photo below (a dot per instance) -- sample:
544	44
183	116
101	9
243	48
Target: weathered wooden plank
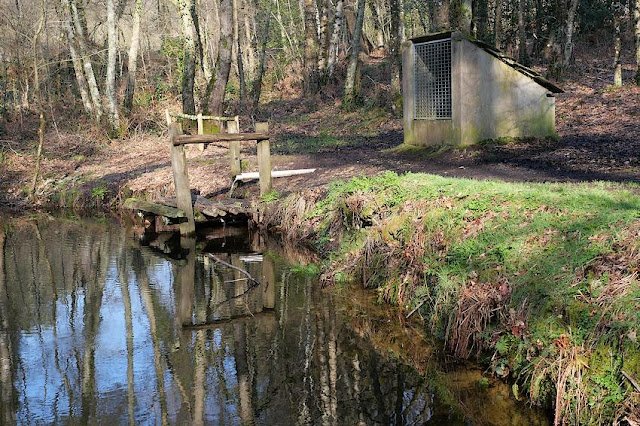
154	208
215	208
181	181
264	159
219	137
234	150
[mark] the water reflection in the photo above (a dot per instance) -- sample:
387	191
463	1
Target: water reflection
96	327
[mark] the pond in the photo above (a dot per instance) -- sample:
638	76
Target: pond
102	324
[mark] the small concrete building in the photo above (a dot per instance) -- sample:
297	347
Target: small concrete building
458	91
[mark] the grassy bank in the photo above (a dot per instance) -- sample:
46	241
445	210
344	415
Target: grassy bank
540	281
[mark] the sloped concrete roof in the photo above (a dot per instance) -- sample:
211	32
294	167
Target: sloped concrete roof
495	53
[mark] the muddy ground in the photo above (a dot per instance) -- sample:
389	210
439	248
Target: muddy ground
599	129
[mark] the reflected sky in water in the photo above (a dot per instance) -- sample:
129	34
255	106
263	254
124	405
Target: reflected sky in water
96	326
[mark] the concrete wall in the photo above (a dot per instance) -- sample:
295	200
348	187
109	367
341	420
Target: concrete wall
499	101
490	100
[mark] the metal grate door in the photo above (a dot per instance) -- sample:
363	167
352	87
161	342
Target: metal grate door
432	75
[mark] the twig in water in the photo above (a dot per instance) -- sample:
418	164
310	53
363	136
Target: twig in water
228	265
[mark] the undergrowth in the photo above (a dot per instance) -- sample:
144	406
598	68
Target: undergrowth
539	281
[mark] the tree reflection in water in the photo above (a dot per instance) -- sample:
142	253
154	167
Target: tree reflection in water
95	327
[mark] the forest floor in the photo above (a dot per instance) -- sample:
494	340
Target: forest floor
598	127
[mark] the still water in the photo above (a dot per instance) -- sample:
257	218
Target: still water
101	325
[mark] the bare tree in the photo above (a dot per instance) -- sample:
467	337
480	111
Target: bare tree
110	84
223	64
617	45
352	84
311	82
133	57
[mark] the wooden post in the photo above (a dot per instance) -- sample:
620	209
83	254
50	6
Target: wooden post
234	150
200	131
264	159
181	181
167	116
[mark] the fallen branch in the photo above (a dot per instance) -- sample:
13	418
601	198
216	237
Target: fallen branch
228	265
630	379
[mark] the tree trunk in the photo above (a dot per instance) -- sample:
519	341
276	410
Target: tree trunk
133	57
323	57
189	63
465	16
568	45
497	25
522	35
636	37
397	35
239	59
377	26
86	61
481	19
338	19
617	46
351	95
310	83
110	84
223	64
256	89
77	63
441	15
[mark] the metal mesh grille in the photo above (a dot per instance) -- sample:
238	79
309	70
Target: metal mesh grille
432	74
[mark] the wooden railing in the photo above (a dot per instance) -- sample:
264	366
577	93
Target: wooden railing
177	142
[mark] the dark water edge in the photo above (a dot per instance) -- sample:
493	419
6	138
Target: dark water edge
101	324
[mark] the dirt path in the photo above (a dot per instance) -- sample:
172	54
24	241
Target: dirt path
599	132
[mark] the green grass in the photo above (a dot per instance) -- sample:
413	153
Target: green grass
540	279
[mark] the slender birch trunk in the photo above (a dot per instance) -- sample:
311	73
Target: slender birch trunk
310	83
133	57
86	60
110	84
568	45
77	65
239	59
338	20
617	46
351	84
256	89
323	57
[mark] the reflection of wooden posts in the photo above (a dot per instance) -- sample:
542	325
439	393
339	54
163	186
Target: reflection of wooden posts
234	150
187	282
181	180
264	159
268	284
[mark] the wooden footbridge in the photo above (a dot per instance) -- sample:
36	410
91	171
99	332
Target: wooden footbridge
188	209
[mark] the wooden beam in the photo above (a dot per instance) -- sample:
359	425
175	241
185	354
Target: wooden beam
181	180
264	159
155	208
220	137
234	149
